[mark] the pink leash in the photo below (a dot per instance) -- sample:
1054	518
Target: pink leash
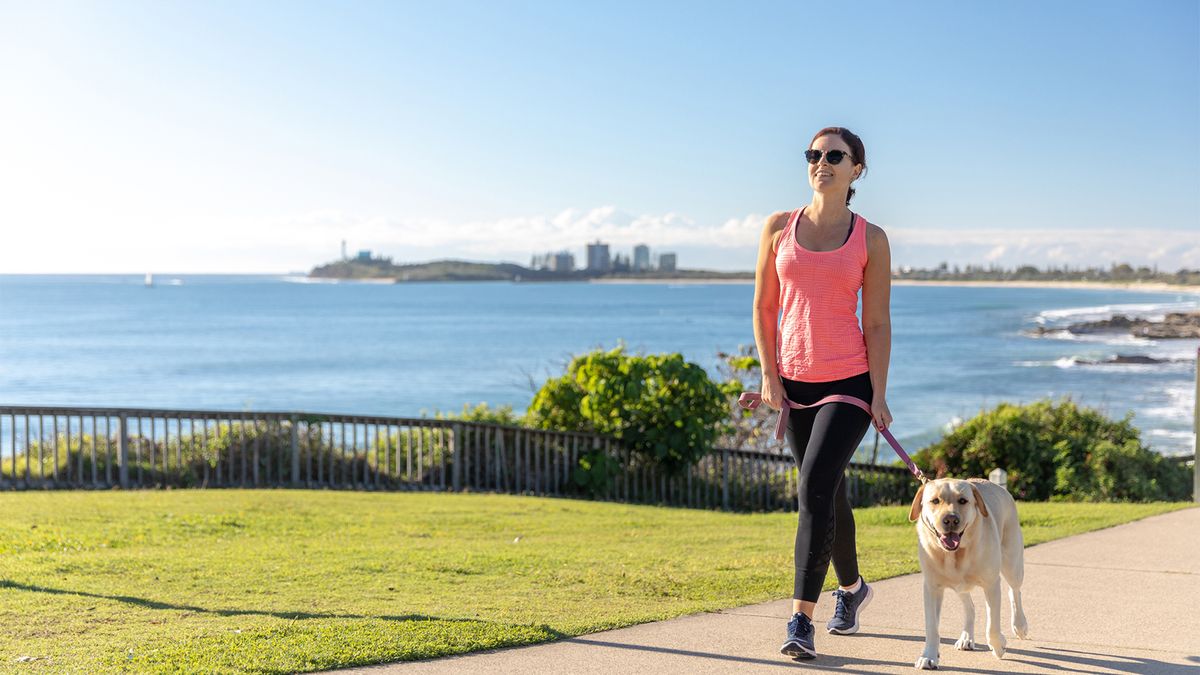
751	400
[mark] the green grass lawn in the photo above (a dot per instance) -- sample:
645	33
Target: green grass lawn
289	580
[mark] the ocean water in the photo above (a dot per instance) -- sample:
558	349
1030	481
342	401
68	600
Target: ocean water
283	343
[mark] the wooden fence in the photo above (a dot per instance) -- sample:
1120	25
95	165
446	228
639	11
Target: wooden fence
101	448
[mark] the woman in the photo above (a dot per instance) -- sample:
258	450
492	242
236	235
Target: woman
812	262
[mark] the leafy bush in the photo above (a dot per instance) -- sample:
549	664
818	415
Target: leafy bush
483	414
747	429
595	472
1058	452
228	453
659	405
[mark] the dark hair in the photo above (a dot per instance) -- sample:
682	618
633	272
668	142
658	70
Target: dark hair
857	151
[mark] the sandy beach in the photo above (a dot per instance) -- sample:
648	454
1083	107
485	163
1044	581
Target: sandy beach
1156	287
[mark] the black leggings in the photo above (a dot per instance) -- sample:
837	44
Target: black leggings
823	441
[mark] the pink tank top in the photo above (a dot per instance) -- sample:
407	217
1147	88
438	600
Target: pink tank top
820	339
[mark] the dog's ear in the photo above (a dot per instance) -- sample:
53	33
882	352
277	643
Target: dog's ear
915	511
979	501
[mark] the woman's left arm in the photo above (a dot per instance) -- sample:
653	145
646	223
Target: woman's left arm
877	320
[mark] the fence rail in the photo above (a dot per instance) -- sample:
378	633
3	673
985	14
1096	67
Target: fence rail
53	447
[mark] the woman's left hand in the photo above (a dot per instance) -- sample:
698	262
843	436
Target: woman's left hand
880	413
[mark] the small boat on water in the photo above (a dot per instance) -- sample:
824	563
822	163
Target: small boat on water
149	280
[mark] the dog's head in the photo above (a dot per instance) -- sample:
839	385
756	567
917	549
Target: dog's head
947	507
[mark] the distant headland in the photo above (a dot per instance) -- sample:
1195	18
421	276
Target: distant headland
384	270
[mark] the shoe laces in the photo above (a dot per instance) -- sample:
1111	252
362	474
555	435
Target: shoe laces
841	608
800	625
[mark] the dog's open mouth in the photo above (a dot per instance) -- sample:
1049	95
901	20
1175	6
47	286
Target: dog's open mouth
949	540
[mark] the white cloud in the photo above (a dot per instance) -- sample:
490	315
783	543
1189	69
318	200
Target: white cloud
1169	249
294	244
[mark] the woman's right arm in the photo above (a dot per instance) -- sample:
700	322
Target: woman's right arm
766	311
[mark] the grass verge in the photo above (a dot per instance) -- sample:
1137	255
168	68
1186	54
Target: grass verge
290	580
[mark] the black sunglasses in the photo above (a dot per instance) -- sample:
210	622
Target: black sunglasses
834	156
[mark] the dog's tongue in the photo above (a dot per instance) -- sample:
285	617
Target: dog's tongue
950	540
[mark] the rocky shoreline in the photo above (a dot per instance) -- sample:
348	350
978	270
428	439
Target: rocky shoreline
1124	359
1176	325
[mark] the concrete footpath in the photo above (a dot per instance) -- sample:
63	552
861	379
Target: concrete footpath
1121	600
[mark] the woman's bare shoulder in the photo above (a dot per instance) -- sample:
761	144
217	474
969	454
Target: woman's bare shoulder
777	220
775	224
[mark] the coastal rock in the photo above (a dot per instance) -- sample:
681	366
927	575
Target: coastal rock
1117	322
1123	359
1173	326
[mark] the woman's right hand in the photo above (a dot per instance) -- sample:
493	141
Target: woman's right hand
772	392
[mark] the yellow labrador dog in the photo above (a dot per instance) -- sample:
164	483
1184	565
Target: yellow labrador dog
969	536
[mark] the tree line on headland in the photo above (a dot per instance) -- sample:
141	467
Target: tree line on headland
1115	273
384	269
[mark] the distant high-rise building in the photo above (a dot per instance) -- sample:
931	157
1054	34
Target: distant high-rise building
666	262
343	249
641	258
563	261
598	259
364	255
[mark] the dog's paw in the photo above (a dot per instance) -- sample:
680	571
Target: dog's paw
965	642
998	646
926	663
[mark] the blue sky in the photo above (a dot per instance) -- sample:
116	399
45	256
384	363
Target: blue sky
254	137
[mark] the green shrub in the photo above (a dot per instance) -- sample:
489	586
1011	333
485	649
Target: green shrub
595	472
227	453
659	405
483	414
1058	451
746	429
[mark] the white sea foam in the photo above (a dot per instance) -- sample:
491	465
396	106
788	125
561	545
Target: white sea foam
1171	434
1106	338
1120	339
1126	368
1180	403
1151	311
1180	350
1097	363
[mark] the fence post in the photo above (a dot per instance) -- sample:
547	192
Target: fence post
725	480
608	478
123	452
456	456
295	452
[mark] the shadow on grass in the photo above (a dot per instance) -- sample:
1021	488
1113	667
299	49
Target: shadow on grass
292	616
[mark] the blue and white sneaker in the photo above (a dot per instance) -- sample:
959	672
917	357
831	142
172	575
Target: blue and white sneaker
848	608
799	644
